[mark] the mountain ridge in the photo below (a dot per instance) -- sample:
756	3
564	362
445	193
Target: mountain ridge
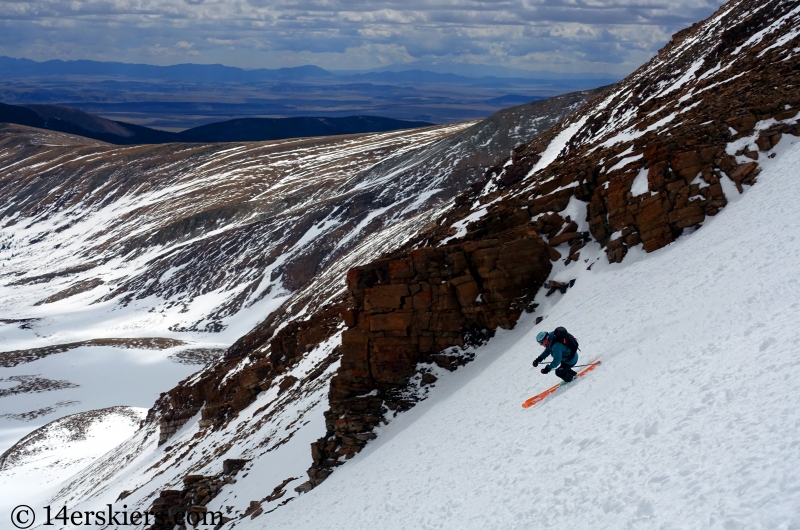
179	102
73	121
20	67
12	67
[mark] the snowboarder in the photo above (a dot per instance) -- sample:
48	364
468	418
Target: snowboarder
560	350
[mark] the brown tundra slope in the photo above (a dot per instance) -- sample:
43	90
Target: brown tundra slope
640	165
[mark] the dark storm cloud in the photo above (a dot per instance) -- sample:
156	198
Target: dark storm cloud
524	32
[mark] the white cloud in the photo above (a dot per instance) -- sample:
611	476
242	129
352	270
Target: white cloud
157	50
610	35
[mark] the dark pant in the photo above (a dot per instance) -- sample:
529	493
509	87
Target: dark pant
566	372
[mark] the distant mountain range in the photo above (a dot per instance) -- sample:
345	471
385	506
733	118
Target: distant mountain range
415	72
511	100
180	97
481	70
73	121
15	68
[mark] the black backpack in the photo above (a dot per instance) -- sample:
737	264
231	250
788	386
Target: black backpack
563	336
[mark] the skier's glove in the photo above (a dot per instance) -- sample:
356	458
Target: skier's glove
536	362
546	369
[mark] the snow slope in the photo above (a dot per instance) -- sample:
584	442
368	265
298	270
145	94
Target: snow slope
691	421
80	380
51	454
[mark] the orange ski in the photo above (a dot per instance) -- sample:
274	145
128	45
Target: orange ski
539	397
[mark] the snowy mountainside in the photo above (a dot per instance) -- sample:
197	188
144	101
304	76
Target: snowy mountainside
462	157
705	110
690	422
157	240
197	233
700	128
102	243
203	229
651	159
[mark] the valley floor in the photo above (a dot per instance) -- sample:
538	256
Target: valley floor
691	421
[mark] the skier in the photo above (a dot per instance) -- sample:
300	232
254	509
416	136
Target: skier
561	353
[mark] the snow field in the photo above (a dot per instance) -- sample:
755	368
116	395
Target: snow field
691	421
63	451
93	377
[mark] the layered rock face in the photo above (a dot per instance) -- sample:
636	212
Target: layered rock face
411	309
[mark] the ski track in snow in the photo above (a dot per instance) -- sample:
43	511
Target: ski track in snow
691	421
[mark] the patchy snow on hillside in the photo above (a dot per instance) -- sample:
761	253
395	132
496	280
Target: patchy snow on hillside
82	379
48	456
556	147
125	240
274	433
690	422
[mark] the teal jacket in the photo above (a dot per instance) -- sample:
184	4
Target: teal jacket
559	351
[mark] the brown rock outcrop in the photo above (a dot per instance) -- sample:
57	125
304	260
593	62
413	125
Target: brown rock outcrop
408	310
186	506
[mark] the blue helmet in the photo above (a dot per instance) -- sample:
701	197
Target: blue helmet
541	336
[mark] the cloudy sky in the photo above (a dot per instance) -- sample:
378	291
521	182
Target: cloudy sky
605	36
